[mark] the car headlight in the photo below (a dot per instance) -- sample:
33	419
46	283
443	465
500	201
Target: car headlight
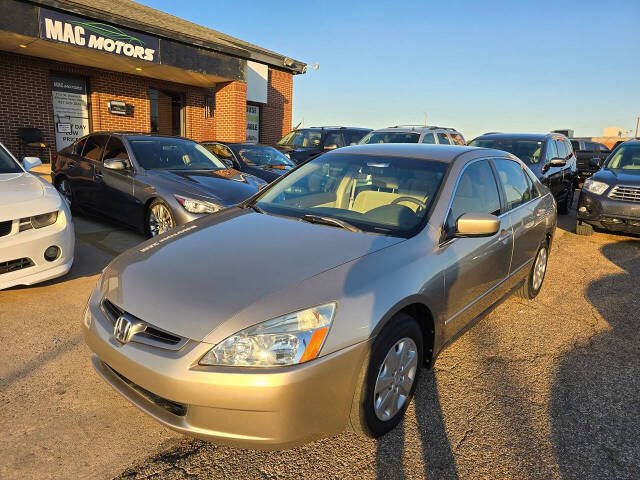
594	186
192	205
38	221
287	340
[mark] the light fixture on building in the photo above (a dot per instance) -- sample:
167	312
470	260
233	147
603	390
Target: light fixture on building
22	45
288	62
139	69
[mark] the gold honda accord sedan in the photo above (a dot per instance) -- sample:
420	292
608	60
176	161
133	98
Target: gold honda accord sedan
312	307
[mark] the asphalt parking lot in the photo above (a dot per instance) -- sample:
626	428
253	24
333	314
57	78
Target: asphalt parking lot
541	389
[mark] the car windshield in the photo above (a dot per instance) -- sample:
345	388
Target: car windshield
301	138
390	137
526	150
627	157
160	153
387	195
263	156
7	163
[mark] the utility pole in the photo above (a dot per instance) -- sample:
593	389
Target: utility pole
637	123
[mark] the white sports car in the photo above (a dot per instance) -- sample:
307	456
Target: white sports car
36	230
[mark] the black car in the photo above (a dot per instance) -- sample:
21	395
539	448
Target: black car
585	150
549	156
302	144
149	182
610	199
259	160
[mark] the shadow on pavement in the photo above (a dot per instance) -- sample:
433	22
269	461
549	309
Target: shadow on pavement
595	405
437	456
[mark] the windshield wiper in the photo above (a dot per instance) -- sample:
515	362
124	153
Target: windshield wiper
329	221
255	208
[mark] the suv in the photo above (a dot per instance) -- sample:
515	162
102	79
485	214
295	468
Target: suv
586	150
549	156
414	134
303	144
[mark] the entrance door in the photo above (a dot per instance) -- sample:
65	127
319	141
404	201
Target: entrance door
167	112
70	110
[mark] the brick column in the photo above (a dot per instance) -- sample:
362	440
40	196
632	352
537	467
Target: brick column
276	114
230	115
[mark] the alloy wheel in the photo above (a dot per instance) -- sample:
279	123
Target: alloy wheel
395	379
539	269
160	219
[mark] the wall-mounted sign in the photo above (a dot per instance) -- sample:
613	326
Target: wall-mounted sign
72	30
70	111
253	124
116	107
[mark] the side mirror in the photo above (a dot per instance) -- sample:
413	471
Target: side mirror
557	162
29	162
477	225
331	146
116	164
595	163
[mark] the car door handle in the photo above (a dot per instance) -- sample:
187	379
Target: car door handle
97	175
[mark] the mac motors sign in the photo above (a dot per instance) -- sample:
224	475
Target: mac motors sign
72	30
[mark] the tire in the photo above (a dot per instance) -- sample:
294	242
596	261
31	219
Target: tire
583	228
64	188
401	332
533	283
158	218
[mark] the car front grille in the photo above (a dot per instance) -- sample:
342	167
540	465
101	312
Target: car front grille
151	335
628	194
170	406
5	228
14	265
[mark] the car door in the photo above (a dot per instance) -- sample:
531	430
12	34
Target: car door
476	267
526	212
69	163
86	189
567	175
115	187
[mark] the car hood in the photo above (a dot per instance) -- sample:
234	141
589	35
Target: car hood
23	195
195	277
229	186
622	177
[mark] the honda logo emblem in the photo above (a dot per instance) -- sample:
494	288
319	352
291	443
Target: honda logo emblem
125	328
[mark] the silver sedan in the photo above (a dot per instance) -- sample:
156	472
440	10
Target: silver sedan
313	306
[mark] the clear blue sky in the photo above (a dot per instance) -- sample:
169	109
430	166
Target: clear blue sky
477	66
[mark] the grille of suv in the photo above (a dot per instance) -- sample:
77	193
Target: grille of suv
629	194
5	228
13	265
175	408
151	335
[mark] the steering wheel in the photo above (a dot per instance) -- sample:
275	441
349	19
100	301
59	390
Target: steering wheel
420	203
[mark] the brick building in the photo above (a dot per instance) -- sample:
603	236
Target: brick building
68	68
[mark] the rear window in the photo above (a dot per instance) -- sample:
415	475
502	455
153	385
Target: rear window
528	151
390	137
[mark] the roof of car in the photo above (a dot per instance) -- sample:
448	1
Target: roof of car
520	136
414	128
334	128
421	151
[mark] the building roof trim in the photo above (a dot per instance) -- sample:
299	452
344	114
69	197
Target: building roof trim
161	24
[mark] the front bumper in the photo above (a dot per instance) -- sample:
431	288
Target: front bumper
31	244
609	214
244	407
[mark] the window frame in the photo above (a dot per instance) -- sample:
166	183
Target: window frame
444	134
433	136
445	235
528	179
90	138
126	149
